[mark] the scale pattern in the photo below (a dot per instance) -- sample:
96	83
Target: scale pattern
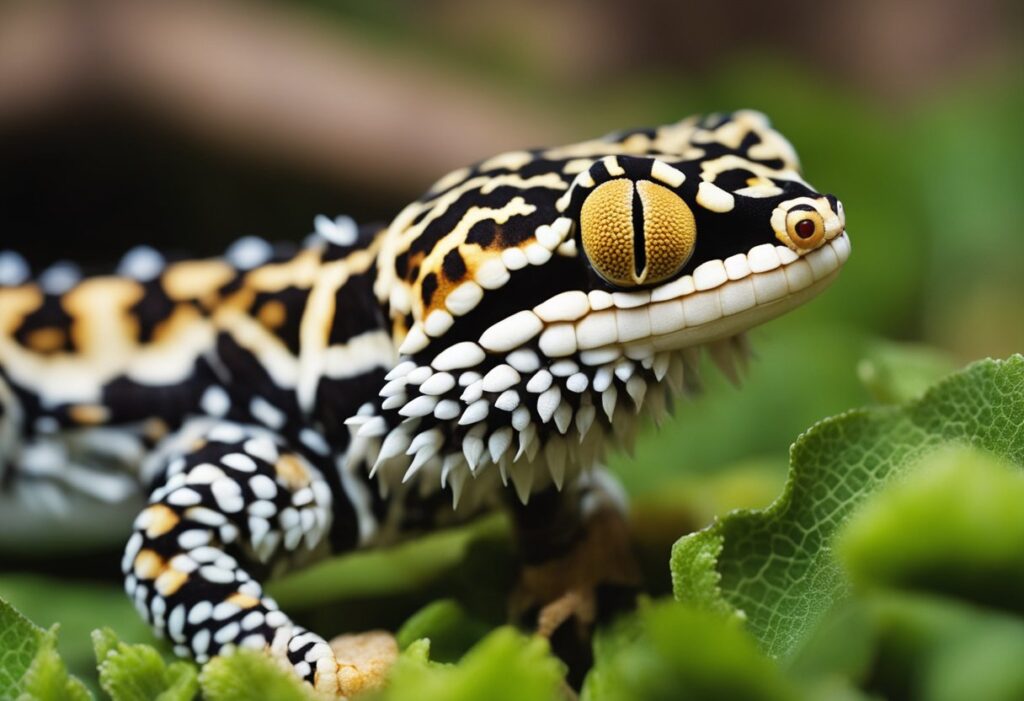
279	403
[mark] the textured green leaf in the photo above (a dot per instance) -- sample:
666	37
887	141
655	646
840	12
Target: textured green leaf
670	651
20	642
504	666
248	675
954	526
139	673
446	624
776	566
48	679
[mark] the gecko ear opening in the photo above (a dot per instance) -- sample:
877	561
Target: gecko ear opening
636	233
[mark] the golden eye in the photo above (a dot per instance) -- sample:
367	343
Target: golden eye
805	228
636	236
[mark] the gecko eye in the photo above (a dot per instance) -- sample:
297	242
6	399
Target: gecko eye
805	228
636	233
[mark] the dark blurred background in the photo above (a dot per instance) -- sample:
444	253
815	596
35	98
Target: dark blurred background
188	124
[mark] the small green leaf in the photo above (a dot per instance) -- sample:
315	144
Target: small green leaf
670	651
900	372
248	675
954	526
48	679
139	673
449	628
776	566
504	666
20	642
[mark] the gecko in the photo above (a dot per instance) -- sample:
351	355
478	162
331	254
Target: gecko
484	350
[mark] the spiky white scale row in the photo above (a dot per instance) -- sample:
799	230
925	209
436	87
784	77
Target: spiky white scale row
465	354
500	378
511	332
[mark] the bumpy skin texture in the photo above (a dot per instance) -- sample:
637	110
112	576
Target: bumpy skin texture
278	404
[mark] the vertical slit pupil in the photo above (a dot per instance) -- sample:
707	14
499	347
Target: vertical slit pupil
639	247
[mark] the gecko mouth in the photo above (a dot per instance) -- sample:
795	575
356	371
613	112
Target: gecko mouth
541	392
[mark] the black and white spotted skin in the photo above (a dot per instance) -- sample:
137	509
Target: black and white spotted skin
499	336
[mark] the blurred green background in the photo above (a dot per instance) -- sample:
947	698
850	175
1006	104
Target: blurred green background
189	124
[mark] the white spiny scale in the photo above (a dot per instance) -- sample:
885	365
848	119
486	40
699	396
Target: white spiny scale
420	406
722	355
520	418
567	306
647	362
511	332
522	479
547	402
473	392
585	419
475	412
608	399
469	377
473	446
639	351
661	363
636	387
394	401
523	360
563	416
375	426
447	409
577	383
500	378
356	421
394	444
527	436
461	355
533	449
603	378
457	479
498	443
424	454
600	356
419	375
415	341
437	384
676	373
400	370
540	382
507	401
564	368
555	455
393	387
431	437
624	370
589	448
452	461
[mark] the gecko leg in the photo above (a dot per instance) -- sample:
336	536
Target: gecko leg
231	505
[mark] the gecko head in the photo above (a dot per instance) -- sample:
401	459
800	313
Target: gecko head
543	299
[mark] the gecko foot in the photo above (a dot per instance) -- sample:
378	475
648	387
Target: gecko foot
363	662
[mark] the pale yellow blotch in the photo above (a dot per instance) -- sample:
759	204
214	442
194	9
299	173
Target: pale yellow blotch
89	414
148	564
292	472
46	340
159	519
272	314
170	581
244	601
714	198
103	325
196	279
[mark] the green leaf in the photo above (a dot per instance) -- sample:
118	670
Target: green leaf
248	675
899	372
669	651
954	526
20	642
139	673
776	566
446	624
48	679
504	666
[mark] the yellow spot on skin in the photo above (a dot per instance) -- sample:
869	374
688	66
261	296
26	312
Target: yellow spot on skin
148	565
46	340
272	314
15	304
241	600
89	414
170	581
606	229
103	324
292	472
191	280
670	232
155	429
161	519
